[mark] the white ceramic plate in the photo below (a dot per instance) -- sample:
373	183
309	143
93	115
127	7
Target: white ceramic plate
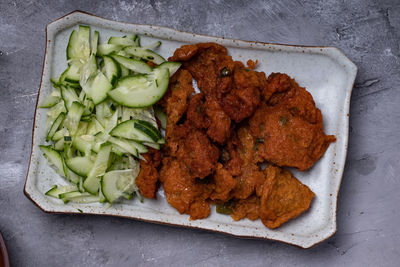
325	71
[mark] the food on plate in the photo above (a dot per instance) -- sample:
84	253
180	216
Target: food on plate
289	125
101	119
283	197
225	145
217	140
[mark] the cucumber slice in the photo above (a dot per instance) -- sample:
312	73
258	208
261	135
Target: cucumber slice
88	70
171	66
111	69
161	116
107	49
146	114
74	195
59	145
152	145
153	45
124	146
129	130
55	126
141	91
124	41
60	134
69	96
53	113
92	182
78	46
137	40
155	133
124	71
83	143
55	191
95	42
145	54
73	117
80	165
72	74
84	199
136	65
115	184
82	128
54	158
50	101
98	87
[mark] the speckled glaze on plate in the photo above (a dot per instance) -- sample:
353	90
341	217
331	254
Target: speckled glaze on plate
325	71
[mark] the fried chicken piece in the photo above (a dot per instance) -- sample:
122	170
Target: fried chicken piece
175	101
251	178
224	183
236	88
242	100
219	129
283	197
246	208
182	191
196	115
289	126
206	113
198	154
148	175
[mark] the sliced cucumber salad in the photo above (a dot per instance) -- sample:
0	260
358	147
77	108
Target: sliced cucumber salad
100	117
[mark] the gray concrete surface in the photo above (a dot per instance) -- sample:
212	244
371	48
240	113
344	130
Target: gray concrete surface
368	234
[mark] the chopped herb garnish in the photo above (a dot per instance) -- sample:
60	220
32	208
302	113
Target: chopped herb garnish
225	72
256	146
67	138
283	120
260	140
225	208
80	210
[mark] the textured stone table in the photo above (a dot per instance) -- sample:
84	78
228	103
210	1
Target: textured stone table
368	32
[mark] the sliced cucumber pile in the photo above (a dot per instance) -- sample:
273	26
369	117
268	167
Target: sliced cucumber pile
100	116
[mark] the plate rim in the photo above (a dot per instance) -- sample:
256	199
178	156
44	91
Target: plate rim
352	72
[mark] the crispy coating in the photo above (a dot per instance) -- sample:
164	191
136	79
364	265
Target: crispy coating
182	191
216	139
224	183
246	208
148	175
289	125
251	178
219	129
198	154
236	88
283	197
175	101
206	113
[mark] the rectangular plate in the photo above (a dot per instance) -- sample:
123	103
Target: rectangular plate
325	71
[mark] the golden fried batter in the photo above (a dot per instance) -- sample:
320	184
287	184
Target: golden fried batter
224	183
236	88
283	197
246	208
251	178
289	125
182	191
148	176
216	139
198	154
206	113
